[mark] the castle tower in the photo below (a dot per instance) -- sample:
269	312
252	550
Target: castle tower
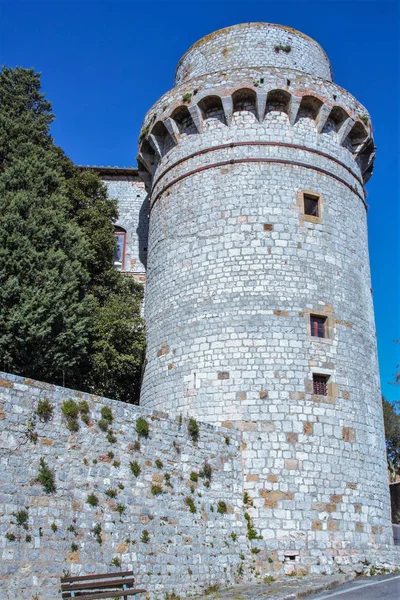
258	300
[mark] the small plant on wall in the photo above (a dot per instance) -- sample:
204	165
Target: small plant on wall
156	490
97	533
251	532
284	48
44	410
193	430
135	468
46	477
142	427
222	507
70	410
92	500
190	503
84	411
106	418
145	536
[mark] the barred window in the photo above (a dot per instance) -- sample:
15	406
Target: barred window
320	384
318	326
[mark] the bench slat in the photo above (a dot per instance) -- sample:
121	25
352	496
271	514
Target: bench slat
98	584
119	594
101	576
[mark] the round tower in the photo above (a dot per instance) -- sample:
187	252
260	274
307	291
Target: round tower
258	301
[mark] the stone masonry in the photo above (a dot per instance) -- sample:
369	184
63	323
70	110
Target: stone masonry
188	546
236	268
125	186
283	478
180	527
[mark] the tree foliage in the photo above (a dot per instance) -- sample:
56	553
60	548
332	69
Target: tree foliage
391	419
67	316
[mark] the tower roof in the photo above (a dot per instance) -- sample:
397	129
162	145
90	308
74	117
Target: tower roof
250	45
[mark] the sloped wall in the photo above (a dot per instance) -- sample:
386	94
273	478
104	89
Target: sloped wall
185	551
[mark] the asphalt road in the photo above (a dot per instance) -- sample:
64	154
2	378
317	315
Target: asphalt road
383	587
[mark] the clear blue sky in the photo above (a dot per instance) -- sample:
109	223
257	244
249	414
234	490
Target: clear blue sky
105	63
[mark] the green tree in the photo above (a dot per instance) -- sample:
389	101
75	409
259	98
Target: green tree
118	347
391	419
66	315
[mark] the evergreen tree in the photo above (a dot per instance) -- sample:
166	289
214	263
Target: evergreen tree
391	419
62	305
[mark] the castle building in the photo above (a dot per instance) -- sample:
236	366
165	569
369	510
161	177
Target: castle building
258	294
131	229
247	221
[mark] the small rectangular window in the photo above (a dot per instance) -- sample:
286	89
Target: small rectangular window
119	251
320	384
311	205
318	326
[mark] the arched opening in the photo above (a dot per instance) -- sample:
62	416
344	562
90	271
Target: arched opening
277	108
309	108
336	119
183	119
357	136
212	112
244	106
161	135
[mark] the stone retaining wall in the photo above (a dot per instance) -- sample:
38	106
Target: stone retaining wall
63	532
180	525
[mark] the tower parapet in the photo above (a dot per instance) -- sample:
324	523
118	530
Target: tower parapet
261	45
258	299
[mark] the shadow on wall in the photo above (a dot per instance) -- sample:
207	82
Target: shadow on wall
143	230
395	502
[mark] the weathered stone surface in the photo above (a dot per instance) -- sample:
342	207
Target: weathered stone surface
236	268
86	463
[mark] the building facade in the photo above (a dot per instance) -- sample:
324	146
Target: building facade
258	300
131	229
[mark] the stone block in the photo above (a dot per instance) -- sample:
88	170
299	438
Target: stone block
291	464
307	428
348	434
336	498
281	313
223	375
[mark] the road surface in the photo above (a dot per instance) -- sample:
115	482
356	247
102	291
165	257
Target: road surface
383	587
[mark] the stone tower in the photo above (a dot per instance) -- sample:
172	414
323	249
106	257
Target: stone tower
258	301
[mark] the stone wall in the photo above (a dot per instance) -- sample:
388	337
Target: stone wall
185	551
125	186
254	44
102	516
236	268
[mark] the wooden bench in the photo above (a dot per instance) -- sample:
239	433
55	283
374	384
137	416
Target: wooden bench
105	585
